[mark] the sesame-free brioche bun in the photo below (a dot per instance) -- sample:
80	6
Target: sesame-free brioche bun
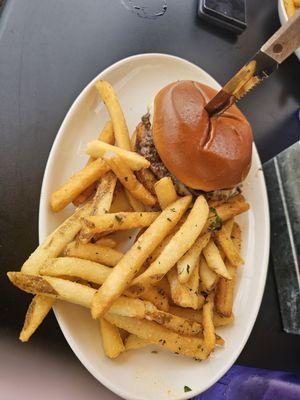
202	152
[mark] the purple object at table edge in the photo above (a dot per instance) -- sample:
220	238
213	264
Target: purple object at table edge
254	384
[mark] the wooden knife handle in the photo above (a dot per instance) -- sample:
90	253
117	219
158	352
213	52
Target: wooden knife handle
285	41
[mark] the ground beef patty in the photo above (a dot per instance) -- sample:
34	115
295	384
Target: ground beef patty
145	146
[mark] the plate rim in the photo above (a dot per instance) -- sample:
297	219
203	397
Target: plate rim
265	257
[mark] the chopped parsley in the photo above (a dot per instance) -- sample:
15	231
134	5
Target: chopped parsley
187	389
173	209
154	352
216	225
126	178
188	268
119	219
169	219
139	248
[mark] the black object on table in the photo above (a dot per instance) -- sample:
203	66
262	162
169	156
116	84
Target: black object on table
49	51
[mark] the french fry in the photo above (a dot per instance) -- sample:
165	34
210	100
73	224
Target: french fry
93	252
107	136
236	236
219	320
187	264
77	183
207	276
165	192
37	311
189	314
112	342
190	346
114	109
128	179
132	261
180	243
101	202
75	267
289	7
234	206
133	342
106	242
225	293
120	202
230	250
208	325
51	247
214	260
117	222
148	179
157	297
135	204
134	160
181	294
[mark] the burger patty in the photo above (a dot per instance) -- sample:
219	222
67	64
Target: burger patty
145	146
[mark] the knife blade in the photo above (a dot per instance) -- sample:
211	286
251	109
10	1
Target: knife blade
283	43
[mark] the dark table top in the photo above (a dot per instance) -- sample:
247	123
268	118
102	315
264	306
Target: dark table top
49	51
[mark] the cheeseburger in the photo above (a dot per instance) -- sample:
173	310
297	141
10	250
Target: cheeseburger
202	154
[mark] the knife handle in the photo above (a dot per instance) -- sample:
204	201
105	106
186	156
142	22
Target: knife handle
284	41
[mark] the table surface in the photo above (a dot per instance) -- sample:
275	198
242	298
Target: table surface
49	52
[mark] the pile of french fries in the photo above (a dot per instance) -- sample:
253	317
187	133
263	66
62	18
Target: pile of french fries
172	288
291	6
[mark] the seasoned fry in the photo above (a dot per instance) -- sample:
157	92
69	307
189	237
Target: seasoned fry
93	252
187	313
112	342
289	7
234	206
236	236
207	275
155	296
152	332
208	325
133	342
101	202
76	267
128	179
118	221
165	192
37	311
225	293
77	183
214	260
135	204
180	293
132	261
134	160
120	202
180	243
230	250
107	136
219	320
113	106
106	242
187	264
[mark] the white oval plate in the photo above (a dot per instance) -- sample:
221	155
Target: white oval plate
140	374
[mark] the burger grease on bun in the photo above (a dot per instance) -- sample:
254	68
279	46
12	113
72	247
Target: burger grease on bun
200	153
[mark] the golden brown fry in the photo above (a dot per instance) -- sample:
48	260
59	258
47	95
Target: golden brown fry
133	342
208	325
165	192
114	109
77	183
214	260
207	275
190	346
93	252
132	261
157	297
75	267
189	314
120	202
135	161
234	206
117	222
225	293
230	250
37	311
289	7
107	136
222	321
106	242
135	204
180	243
128	179
112	342
236	236
181	294
187	264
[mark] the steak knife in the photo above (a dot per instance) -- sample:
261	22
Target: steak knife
284	42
